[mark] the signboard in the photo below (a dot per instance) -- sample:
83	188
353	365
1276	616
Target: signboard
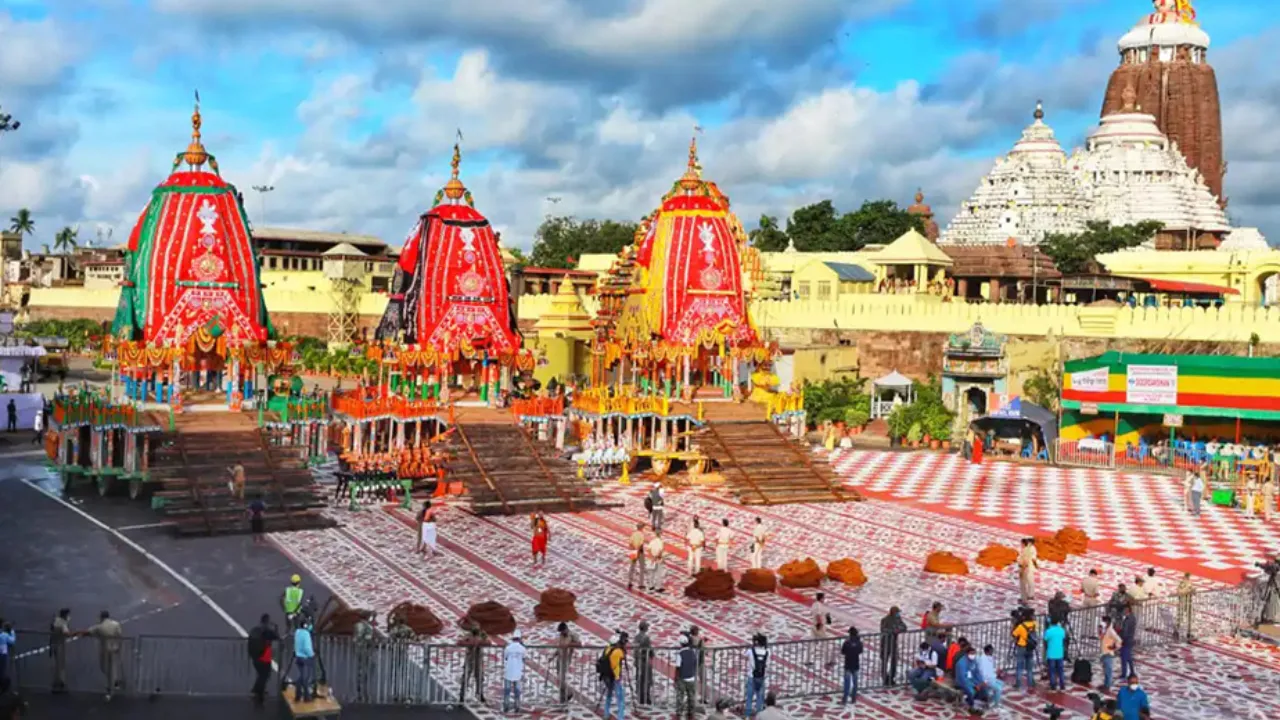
1088	408
1090	380
1152	385
1173	421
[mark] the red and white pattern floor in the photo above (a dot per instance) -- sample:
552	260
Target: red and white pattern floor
368	562
1130	514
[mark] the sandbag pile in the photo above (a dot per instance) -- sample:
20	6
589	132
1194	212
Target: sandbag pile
419	619
847	571
758	580
556	605
997	556
492	617
800	574
711	584
945	563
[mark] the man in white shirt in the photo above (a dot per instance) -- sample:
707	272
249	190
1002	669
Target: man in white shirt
654	551
512	672
987	677
723	539
697	540
1138	593
758	537
821	615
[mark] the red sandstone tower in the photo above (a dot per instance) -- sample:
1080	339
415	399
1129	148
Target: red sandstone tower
1164	59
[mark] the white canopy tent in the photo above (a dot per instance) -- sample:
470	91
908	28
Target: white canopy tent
889	392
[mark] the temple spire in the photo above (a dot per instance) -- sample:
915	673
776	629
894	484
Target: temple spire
692	179
454	189
1039	113
195	156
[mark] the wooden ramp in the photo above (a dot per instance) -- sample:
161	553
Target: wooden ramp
507	472
190	474
764	467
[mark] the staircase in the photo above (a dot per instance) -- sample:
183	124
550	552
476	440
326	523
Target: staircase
764	467
191	472
505	471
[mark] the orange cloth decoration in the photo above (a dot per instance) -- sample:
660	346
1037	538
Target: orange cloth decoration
997	556
758	580
801	573
847	571
1049	549
1073	540
945	563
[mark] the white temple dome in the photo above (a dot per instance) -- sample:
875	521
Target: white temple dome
1245	239
1173	24
1133	173
1028	193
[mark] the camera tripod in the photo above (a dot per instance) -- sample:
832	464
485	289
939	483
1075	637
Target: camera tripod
1270	594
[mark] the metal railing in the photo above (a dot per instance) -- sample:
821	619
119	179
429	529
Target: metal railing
1220	469
384	672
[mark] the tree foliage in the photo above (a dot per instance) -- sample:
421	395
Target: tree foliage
22	223
838	400
821	228
560	241
1042	389
1074	253
926	416
7	123
66	240
80	334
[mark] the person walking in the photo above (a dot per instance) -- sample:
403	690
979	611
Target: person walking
473	663
291	600
1109	643
110	639
304	656
656	503
1186	592
541	536
697	540
420	541
644	665
512	672
851	649
59	632
654	551
430	535
757	665
1090	589
236	483
820	616
1055	654
686	679
38	426
13	415
635	553
758	537
891	627
1128	638
1027	564
362	633
8	639
566	642
1268	498
1025	645
614	693
1197	490
723	539
261	643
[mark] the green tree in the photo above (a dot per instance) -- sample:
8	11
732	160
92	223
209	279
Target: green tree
22	223
816	228
769	236
1042	389
877	222
66	239
560	241
1074	253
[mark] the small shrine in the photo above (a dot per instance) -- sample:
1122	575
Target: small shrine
975	373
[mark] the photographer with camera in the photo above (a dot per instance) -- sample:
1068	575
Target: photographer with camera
1026	643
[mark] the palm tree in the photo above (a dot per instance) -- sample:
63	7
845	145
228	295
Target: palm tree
65	240
21	223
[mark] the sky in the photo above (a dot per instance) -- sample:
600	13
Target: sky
349	108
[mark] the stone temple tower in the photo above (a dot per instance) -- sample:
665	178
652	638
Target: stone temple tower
1164	58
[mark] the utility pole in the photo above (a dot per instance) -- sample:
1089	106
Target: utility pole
262	201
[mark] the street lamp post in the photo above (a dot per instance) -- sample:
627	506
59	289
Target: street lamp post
262	191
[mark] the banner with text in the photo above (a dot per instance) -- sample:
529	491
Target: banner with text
1152	385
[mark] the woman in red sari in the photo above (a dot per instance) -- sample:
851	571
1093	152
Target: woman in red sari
541	534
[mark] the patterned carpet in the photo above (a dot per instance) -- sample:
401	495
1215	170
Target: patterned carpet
368	562
1130	514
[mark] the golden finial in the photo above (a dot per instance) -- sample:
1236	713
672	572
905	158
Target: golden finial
195	156
919	195
1039	113
692	179
454	189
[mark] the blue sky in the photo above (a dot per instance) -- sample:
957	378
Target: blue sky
349	108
